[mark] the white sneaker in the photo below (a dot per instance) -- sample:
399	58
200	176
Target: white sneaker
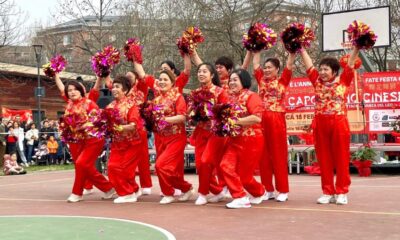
226	192
177	192
74	198
109	194
186	196
146	191
256	200
167	200
282	197
88	191
126	199
341	199
239	203
217	198
268	196
201	200
325	199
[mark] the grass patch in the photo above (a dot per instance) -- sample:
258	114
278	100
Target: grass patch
44	168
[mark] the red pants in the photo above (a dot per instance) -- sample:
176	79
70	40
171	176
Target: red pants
87	152
332	146
170	163
275	156
144	162
74	154
124	159
239	160
208	154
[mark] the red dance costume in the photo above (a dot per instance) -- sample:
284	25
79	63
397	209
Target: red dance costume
242	153
275	156
170	145
94	96
126	149
86	150
332	132
209	147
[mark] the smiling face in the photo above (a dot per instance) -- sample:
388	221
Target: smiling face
164	82
204	75
326	73
235	85
118	91
270	70
73	93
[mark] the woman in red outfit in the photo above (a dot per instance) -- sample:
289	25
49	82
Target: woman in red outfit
126	143
243	152
85	149
272	90
171	140
138	94
208	151
332	132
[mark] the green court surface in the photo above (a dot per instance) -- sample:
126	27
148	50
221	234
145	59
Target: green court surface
74	228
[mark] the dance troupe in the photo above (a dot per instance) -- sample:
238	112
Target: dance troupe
236	130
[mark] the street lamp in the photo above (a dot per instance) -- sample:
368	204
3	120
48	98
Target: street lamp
38	92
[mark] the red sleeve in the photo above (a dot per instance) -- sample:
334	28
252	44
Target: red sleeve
180	106
142	86
347	76
94	95
313	75
92	105
258	74
150	81
223	97
286	76
254	105
181	81
64	97
395	134
133	116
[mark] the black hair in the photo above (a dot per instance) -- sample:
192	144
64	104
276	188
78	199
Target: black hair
124	81
172	66
77	85
214	73
226	62
244	76
274	62
331	62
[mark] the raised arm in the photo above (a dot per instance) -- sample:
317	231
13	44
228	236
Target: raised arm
306	59
290	61
195	58
187	64
256	60
138	68
97	84
247	59
353	57
59	83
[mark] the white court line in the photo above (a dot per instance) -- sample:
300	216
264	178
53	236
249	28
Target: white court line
162	230
26	183
351	186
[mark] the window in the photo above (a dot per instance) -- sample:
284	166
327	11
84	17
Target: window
66	40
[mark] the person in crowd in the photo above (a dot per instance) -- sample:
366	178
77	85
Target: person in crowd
19	132
208	146
272	90
171	140
52	146
31	136
11	141
3	134
84	148
11	166
46	131
331	131
243	152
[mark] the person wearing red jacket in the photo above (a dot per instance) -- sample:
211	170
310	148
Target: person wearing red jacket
170	138
126	147
242	153
84	147
208	146
332	131
272	90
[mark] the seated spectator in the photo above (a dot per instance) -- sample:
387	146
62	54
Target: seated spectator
11	166
52	146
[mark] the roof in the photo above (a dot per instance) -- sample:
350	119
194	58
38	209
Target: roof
32	71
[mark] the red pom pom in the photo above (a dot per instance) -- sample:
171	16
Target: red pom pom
189	40
104	61
133	50
259	37
361	36
296	36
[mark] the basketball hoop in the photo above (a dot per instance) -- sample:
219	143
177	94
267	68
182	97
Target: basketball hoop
347	46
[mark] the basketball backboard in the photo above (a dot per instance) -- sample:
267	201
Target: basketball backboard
334	26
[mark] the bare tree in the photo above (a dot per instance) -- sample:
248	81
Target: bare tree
11	19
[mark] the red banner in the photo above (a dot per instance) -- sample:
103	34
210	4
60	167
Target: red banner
26	115
373	92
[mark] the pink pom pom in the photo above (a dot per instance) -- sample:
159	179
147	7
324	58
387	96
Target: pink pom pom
104	61
56	65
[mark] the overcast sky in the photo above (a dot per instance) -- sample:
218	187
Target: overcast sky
38	10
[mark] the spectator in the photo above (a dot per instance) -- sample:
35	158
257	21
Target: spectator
31	136
10	166
52	147
46	131
11	141
2	140
20	123
19	132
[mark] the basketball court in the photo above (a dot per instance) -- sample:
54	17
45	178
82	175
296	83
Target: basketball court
40	198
